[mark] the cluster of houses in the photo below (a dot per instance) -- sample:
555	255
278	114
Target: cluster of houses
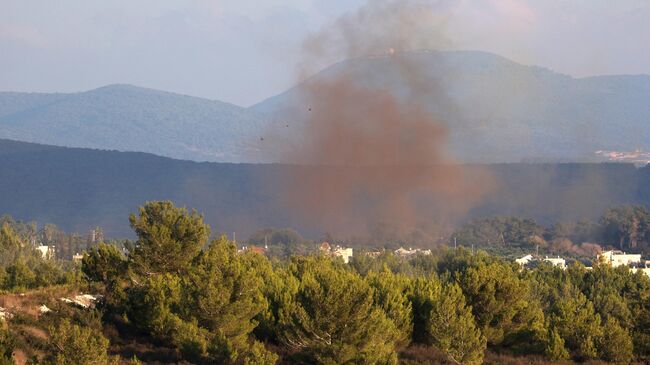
614	258
49	253
337	251
325	248
411	252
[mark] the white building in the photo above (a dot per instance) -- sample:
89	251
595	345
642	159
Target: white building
342	252
524	260
77	257
556	261
402	252
619	258
46	251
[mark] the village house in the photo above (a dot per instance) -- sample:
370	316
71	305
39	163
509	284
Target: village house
374	254
343	252
524	260
410	252
47	252
619	258
556	261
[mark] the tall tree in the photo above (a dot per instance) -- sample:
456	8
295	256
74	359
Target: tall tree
442	319
626	226
223	295
575	320
390	292
330	317
500	301
168	238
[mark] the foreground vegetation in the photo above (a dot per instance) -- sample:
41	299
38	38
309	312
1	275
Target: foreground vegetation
184	298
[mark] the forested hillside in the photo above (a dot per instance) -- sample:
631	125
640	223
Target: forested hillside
79	189
129	118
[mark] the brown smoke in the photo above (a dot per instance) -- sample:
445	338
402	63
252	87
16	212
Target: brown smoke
373	156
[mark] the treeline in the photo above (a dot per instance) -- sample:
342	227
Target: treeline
625	227
23	267
213	305
66	244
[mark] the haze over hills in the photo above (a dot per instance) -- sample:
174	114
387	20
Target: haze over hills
129	118
78	189
496	110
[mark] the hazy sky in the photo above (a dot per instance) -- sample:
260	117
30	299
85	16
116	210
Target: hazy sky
243	51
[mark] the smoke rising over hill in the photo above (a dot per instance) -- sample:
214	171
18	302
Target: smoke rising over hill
403	173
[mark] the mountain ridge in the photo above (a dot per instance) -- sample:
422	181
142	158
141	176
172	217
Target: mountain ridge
496	110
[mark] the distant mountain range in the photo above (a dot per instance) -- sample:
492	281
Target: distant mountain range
129	118
78	189
496	110
500	111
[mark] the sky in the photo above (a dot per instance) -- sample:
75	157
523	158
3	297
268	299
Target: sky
243	51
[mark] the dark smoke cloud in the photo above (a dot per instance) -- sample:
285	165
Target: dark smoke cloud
376	157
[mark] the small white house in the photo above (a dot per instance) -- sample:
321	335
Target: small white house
524	260
344	253
556	261
619	258
403	252
46	251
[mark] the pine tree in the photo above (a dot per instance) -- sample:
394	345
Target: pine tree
168	238
447	322
390	292
330	317
499	301
222	294
103	263
574	318
555	349
616	343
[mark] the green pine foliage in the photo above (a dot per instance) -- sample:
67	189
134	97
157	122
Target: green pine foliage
71	344
616	344
390	293
443	320
168	238
330	316
555	349
210	303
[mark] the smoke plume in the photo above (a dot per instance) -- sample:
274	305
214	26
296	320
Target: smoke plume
369	156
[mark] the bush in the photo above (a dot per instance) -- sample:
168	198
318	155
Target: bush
74	345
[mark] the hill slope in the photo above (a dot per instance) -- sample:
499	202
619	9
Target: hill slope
78	189
129	118
498	110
